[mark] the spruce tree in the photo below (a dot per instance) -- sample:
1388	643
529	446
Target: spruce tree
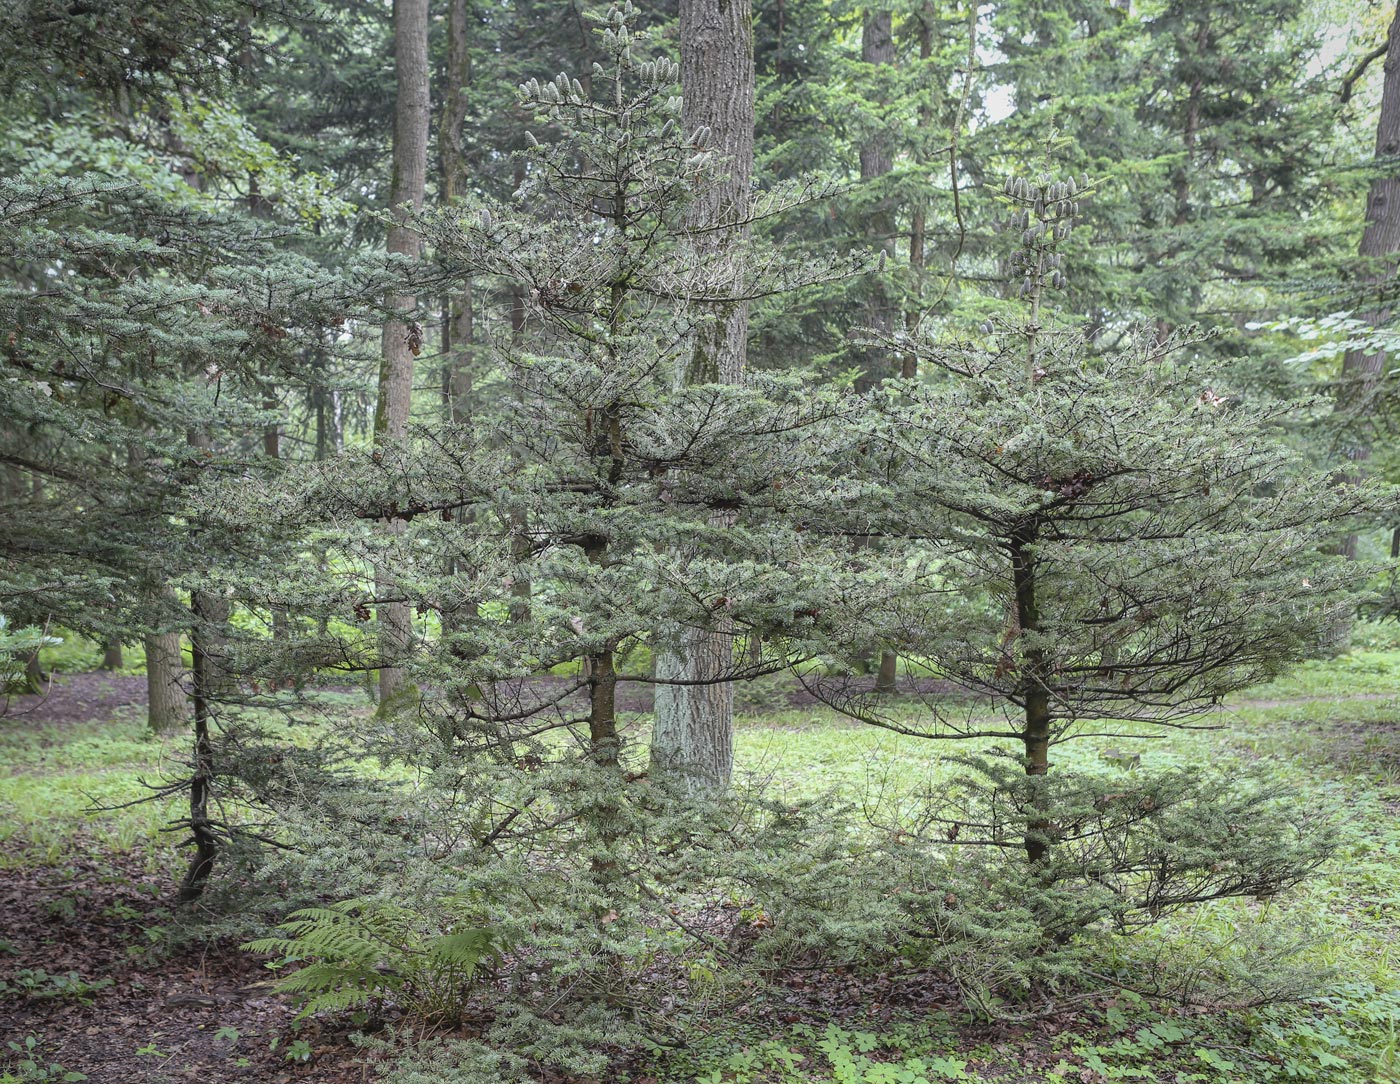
145	323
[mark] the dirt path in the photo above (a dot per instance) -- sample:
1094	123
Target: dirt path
78	698
83	971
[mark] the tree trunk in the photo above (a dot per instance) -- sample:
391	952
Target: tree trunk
1380	242
1186	170
602	688
1035	733
717	84
693	736
259	207
457	313
694	730
876	160
166	708
401	338
215	608
521	590
112	655
35	680
272	448
918	213
202	831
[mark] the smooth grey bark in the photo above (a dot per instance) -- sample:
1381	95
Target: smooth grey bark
402	338
693	735
1380	244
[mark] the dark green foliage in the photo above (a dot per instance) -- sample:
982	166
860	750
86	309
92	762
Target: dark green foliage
603	919
126	48
1088	515
594	468
1210	136
1127	849
148	329
1109	534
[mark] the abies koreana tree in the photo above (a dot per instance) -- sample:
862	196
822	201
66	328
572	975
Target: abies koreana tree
145	323
609	473
1104	537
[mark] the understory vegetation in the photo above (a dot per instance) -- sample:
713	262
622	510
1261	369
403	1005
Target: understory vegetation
804	954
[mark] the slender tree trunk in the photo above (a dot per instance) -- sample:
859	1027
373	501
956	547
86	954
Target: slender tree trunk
457	331
215	608
402	337
206	841
602	687
876	160
521	590
693	735
1380	243
272	448
1181	178
319	399
457	312
918	213
1035	733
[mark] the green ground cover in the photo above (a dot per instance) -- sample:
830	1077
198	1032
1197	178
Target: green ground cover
1328	1006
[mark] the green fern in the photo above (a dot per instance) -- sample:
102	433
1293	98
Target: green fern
366	950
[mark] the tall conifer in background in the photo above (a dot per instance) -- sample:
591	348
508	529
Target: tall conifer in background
693	732
1362	369
403	334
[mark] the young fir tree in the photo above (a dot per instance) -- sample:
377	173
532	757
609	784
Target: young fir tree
646	506
610	467
145	323
1107	537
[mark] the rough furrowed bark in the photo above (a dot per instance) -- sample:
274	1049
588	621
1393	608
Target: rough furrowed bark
112	655
401	339
693	735
166	706
1380	244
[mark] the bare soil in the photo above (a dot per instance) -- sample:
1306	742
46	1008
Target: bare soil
148	1015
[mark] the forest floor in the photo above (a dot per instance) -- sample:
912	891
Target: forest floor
99	977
